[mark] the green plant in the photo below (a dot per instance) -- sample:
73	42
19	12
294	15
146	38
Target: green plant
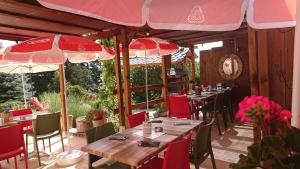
76	90
277	152
279	147
160	108
76	106
138	79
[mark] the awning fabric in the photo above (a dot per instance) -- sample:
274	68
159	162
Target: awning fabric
202	15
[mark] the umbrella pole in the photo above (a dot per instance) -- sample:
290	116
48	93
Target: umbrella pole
146	74
24	91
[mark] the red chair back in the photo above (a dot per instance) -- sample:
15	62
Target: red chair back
22	113
179	107
176	155
11	141
183	91
136	119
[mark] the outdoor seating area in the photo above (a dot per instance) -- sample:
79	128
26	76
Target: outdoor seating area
149	84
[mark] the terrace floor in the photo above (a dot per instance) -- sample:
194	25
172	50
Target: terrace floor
226	149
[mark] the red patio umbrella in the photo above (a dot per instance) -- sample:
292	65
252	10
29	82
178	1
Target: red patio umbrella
151	46
201	15
56	49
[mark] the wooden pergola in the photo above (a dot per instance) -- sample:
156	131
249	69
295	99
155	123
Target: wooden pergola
25	19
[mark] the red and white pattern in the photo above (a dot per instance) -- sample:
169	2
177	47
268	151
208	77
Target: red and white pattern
56	49
201	15
152	46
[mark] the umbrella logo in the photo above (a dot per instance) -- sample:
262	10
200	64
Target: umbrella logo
196	15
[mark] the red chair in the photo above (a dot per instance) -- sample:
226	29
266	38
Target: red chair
179	107
183	91
136	119
12	144
27	125
176	157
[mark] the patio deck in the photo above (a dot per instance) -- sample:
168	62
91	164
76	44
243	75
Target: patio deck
226	149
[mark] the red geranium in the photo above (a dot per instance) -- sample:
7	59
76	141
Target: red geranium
267	114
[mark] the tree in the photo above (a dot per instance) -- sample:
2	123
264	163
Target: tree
10	87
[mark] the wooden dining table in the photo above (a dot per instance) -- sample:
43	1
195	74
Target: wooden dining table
23	118
128	151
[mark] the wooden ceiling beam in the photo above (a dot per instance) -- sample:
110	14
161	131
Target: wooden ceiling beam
33	29
216	37
8	30
39	25
14	37
40	12
104	34
192	35
48	20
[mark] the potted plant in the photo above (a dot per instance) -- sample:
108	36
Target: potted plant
161	110
5	113
279	147
97	116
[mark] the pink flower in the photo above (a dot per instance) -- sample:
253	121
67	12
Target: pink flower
285	115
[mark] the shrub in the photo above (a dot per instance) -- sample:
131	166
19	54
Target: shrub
76	90
76	105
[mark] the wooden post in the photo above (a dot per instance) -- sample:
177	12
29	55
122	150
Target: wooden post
119	83
263	62
164	79
253	68
126	72
296	74
63	97
192	84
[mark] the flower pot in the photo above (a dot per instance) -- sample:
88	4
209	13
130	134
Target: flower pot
97	123
5	117
82	124
70	121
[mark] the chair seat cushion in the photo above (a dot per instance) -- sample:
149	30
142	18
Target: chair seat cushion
110	164
155	163
11	154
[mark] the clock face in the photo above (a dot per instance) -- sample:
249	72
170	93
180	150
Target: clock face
230	66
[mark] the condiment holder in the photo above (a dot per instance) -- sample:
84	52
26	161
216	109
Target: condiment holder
147	127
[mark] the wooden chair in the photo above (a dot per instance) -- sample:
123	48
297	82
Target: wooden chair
136	119
12	144
201	147
179	107
46	126
98	133
228	104
27	126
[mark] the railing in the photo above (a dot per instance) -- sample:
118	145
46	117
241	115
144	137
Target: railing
151	87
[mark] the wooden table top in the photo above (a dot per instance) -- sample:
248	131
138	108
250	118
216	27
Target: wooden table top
128	151
170	128
24	118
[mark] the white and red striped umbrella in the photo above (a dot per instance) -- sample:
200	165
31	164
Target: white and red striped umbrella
148	47
2	62
201	15
56	49
151	46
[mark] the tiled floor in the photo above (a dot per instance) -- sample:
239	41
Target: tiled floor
226	149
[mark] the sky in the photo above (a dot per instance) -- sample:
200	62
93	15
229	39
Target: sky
6	43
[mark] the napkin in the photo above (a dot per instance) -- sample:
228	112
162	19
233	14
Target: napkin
118	137
182	123
156	121
149	143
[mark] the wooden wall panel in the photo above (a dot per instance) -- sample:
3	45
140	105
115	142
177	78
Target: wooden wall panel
271	63
281	50
209	61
